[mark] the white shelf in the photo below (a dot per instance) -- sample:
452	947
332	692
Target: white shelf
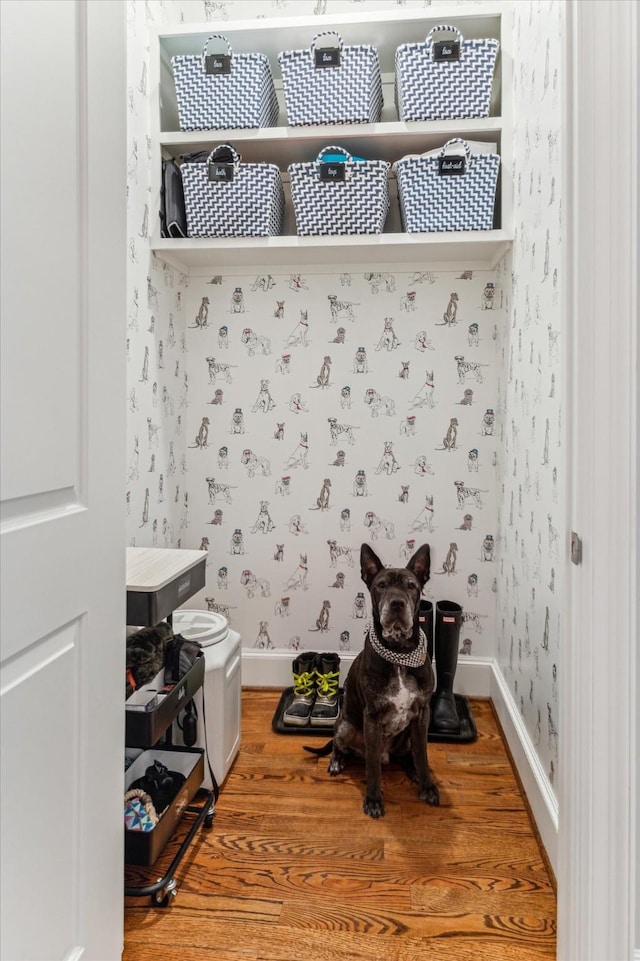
388	140
197	257
378	141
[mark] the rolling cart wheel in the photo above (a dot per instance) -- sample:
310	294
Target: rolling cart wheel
164	897
208	818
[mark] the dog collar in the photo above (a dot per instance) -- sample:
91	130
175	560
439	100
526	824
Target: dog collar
415	658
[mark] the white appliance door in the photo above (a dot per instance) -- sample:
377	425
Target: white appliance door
62	534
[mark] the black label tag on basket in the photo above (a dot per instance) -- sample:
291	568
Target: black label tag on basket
332	172
451	166
217	63
221	172
446	50
328	57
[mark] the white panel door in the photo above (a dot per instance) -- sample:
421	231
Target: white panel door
62	534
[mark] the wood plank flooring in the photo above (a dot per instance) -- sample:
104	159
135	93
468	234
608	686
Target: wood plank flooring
292	870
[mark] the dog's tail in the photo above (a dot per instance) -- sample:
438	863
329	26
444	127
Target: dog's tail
320	751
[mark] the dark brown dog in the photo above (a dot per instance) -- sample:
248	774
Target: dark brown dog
387	693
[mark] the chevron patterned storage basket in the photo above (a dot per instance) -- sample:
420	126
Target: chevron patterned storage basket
249	205
350	92
431	200
356	205
428	88
242	96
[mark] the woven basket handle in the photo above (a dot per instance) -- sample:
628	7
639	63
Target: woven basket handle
325	33
444	28
216	36
465	145
325	150
212	156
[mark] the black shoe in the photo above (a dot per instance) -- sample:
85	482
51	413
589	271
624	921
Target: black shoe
325	710
444	714
298	712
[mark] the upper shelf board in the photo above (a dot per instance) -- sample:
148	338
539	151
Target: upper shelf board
378	141
194	256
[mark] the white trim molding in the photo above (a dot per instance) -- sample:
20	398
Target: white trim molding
273	669
598	675
535	782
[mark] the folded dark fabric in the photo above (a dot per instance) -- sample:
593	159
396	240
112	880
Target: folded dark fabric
160	784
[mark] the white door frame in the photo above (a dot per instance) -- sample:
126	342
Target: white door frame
598	738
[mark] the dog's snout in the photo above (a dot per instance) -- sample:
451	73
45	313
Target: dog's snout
397	603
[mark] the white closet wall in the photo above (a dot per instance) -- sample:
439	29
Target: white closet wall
158	377
532	440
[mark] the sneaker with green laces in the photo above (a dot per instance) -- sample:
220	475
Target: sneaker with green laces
298	712
327	676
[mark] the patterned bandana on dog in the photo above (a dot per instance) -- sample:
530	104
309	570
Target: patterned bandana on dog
415	658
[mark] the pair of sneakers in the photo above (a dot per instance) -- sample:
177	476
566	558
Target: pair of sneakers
316	679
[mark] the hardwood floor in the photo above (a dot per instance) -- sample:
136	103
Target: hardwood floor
292	870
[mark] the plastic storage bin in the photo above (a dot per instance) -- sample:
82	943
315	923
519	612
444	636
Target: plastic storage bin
448	189
227	198
144	847
445	80
217	91
219	722
145	728
337	198
337	84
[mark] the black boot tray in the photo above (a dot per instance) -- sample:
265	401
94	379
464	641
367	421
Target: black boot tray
467	733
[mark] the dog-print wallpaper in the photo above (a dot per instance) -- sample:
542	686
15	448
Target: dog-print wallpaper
330	409
532	541
156	493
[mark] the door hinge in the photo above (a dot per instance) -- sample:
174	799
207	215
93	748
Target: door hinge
576	548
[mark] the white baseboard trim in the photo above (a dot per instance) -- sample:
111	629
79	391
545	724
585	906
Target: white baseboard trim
273	669
536	784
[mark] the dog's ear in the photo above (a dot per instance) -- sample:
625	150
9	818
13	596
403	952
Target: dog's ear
370	564
420	564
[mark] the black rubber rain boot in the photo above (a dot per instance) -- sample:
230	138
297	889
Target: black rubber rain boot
298	712
325	711
425	620
444	714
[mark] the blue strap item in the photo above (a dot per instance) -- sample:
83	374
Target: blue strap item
339	158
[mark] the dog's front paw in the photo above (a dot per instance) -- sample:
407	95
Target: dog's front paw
430	794
336	766
374	807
